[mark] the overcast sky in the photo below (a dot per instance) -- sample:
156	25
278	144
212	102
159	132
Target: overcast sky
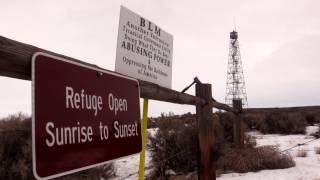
279	44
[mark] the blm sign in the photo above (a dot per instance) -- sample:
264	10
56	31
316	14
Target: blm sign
144	50
82	116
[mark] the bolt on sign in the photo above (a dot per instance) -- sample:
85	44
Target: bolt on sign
82	116
144	50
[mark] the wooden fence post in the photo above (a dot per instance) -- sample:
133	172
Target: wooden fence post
206	167
238	133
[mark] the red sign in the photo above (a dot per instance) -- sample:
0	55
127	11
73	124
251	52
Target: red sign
82	116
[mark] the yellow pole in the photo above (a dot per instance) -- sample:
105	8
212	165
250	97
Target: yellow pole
144	138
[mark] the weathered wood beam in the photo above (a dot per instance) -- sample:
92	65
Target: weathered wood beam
15	58
156	92
222	106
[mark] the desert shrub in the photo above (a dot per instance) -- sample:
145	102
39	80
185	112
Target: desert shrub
174	147
268	122
187	118
317	134
284	123
274	159
317	150
302	153
275	123
16	152
297	123
253	159
311	119
254	121
226	123
15	148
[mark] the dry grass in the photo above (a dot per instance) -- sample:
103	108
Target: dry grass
254	159
317	150
302	153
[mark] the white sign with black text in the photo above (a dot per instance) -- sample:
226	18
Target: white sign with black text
144	50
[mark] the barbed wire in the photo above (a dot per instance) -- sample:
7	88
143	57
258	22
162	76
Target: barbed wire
299	144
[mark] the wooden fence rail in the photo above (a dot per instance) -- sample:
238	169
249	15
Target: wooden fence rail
15	62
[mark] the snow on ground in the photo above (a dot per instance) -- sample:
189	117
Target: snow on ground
127	168
307	168
312	129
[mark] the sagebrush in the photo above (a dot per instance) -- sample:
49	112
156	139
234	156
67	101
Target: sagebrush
277	122
174	147
253	159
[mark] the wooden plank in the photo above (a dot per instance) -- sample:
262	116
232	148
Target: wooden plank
15	58
205	134
156	92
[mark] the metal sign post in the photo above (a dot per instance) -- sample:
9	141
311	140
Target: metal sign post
144	138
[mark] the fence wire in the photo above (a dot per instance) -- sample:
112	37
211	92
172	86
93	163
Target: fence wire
299	144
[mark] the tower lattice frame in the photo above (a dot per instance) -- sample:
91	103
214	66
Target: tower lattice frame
235	86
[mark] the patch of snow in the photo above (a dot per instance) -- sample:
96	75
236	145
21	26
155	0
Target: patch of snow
152	132
170	172
311	129
128	168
